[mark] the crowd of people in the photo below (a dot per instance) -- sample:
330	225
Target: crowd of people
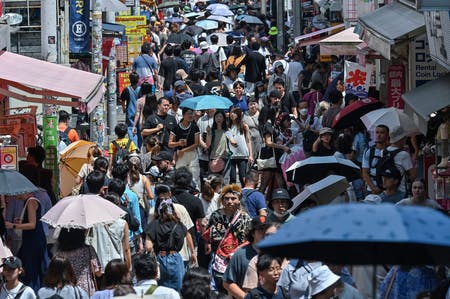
197	187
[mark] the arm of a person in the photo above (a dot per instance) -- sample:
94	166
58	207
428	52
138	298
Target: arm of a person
148	244
208	137
315	146
194	145
148	188
261	205
172	142
248	141
124	98
138	114
190	245
299	84
368	181
234	290
32	207
270	143
126	246
134	208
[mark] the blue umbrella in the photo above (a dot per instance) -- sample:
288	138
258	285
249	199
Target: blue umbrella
207	24
15	183
174	20
249	19
207	102
365	234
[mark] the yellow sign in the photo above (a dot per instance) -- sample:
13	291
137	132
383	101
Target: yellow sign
131	21
325	58
9	157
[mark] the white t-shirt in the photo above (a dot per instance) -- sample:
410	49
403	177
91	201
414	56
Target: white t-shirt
160	292
11	294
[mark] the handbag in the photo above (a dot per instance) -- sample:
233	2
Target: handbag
267	163
216	165
226	248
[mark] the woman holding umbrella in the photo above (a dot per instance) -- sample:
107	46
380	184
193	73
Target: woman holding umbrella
33	251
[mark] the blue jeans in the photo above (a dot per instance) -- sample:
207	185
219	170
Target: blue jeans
136	138
171	268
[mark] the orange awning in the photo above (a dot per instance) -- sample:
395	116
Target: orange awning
47	80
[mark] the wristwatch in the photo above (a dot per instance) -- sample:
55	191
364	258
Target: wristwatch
14	226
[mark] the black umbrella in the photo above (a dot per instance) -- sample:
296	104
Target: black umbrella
179	38
192	30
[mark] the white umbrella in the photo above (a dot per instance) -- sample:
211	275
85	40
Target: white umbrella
220	19
390	117
111	5
322	192
82	211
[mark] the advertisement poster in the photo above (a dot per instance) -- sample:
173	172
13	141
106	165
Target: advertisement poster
357	78
135	32
396	86
124	80
79	36
51	142
423	67
9	157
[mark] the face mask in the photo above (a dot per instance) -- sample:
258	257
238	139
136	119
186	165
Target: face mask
303	111
280	215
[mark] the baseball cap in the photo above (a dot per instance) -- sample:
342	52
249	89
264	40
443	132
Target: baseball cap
162	156
325	130
204	45
11	262
281	193
391	172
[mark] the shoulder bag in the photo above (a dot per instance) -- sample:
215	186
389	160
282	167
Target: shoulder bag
226	248
268	163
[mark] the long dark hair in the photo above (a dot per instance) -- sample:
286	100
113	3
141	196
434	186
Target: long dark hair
116	272
150	105
239	122
71	239
166	212
59	272
224	125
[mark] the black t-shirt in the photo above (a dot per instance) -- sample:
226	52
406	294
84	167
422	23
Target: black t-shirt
167	70
186	133
198	89
306	81
188	56
288	102
161	232
323	151
169	122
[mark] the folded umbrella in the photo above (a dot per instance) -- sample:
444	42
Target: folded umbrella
313	169
351	114
207	102
82	211
13	182
323	192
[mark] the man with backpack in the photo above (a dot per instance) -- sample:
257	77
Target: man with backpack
206	62
120	148
371	157
67	135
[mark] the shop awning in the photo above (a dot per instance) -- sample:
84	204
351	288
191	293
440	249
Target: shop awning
341	43
389	25
48	80
316	33
426	99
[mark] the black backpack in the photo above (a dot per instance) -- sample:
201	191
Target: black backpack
309	137
64	135
385	162
122	153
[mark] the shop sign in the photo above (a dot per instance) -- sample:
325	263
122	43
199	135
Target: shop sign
357	78
9	157
396	86
79	37
438	33
423	67
124	80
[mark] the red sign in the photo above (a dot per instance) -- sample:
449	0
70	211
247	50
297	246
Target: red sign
396	86
124	80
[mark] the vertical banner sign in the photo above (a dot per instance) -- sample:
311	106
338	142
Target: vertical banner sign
357	78
79	26
9	155
396	86
51	141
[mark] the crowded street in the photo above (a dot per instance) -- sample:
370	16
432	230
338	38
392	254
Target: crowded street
242	149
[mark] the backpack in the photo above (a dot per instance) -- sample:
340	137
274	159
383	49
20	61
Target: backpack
309	137
385	162
121	153
64	135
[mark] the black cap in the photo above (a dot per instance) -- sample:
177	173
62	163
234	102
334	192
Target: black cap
12	262
162	156
391	172
281	193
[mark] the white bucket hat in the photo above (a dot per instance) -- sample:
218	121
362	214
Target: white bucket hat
320	279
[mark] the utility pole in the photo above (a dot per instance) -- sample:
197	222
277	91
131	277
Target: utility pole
297	10
97	117
280	26
49	37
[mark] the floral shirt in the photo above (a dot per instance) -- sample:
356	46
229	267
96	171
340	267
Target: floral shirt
219	223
